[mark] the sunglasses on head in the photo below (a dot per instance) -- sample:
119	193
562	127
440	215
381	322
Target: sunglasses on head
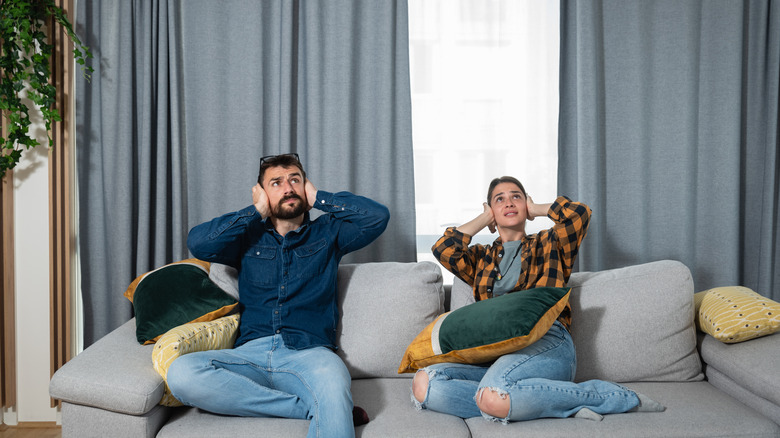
269	157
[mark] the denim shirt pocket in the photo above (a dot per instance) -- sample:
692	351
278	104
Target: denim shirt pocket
260	265
311	259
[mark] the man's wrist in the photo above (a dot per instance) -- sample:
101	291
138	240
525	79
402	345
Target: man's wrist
313	200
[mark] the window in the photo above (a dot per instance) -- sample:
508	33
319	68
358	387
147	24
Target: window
484	77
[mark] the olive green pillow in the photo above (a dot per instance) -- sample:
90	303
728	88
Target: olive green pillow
176	294
483	331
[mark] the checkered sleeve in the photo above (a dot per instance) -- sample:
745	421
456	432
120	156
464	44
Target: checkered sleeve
571	225
453	252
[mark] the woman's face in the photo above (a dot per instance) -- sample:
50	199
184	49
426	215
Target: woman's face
508	204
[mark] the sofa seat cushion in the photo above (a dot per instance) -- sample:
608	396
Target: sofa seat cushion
694	409
386	400
79	421
635	324
760	374
114	373
383	307
388	403
188	422
724	383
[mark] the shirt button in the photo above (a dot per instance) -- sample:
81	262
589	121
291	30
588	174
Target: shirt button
278	331
276	312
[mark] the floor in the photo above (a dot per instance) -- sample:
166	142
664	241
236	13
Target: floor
30	432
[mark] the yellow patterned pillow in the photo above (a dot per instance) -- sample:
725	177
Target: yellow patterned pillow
735	313
189	338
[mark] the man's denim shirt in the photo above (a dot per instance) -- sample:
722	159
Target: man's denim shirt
287	285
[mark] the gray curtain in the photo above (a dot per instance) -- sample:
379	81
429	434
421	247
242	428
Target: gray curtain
669	130
188	95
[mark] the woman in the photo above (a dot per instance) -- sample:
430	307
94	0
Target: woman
536	381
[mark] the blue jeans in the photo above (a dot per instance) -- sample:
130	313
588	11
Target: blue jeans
537	379
263	378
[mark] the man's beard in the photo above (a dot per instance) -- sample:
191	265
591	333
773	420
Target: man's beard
283	212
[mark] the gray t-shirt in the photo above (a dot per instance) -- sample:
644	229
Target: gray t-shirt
509	268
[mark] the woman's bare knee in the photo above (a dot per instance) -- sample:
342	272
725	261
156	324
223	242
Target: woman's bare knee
493	403
420	385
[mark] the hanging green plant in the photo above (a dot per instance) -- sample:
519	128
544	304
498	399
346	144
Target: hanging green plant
24	63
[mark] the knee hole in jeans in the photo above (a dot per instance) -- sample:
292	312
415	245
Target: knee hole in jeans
420	385
493	402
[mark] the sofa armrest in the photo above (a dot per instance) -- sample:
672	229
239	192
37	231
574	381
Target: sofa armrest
115	373
751	364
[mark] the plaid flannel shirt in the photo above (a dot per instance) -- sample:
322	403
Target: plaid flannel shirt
547	257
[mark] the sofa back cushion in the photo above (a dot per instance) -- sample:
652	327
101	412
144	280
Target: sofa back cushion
635	324
630	324
383	306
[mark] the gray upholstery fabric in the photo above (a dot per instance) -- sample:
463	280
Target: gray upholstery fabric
116	375
190	422
767	408
635	324
389	406
88	422
461	295
226	277
759	373
383	307
694	409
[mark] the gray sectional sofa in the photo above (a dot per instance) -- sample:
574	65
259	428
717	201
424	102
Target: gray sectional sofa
632	325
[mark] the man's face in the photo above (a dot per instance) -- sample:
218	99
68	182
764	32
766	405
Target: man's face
508	204
286	191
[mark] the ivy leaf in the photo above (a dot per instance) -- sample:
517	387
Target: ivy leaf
24	60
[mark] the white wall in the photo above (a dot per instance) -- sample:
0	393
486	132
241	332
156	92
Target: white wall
31	262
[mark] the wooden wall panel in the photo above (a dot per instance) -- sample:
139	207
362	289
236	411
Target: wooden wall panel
61	177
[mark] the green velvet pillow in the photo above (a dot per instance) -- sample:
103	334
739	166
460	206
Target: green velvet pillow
173	295
485	330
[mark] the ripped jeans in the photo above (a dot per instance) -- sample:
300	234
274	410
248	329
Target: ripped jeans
537	379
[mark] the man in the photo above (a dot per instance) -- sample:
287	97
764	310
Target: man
284	362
